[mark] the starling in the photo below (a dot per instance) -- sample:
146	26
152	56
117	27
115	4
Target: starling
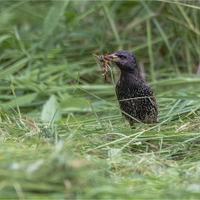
130	88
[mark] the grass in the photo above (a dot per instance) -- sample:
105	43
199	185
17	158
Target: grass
62	132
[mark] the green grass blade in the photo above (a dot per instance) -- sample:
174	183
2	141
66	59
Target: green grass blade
56	11
150	49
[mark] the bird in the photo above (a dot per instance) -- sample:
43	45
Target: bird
136	99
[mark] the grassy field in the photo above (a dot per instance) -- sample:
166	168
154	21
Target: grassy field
61	130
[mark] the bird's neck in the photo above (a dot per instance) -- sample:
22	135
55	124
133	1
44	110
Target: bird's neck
130	75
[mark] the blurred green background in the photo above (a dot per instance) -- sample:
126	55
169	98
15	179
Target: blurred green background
60	124
46	48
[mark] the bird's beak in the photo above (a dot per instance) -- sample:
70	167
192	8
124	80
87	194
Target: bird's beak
112	57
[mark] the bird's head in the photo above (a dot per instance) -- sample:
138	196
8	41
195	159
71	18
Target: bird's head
125	60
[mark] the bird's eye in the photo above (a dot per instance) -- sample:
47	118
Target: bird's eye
122	56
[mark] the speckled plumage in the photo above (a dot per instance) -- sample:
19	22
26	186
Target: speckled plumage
130	87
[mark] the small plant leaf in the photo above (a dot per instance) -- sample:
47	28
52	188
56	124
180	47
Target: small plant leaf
51	110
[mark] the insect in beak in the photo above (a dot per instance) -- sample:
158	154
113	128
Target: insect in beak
105	59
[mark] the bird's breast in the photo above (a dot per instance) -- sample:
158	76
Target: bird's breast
127	89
